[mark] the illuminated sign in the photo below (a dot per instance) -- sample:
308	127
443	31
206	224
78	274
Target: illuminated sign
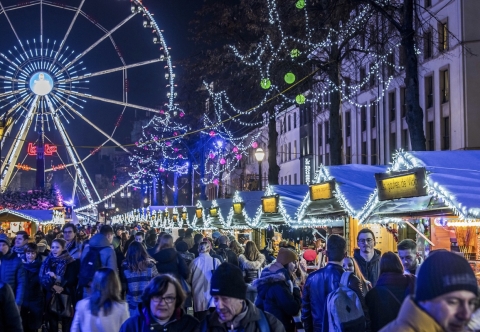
322	190
401	184
41	83
214	212
238	207
49	150
270	204
199	213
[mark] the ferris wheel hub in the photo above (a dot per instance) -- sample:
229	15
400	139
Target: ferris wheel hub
41	83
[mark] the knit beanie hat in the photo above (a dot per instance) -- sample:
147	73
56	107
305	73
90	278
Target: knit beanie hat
181	246
227	280
444	272
286	256
4	238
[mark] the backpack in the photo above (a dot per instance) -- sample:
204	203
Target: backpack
89	265
345	312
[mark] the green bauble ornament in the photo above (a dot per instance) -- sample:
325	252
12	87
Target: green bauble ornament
265	83
300	99
300	4
289	77
294	53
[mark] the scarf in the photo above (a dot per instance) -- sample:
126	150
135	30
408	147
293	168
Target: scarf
19	250
34	266
57	265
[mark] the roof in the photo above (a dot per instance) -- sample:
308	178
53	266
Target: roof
40	216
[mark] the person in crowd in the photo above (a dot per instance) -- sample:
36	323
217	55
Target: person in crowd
392	287
82	235
127	243
50	237
33	302
350	264
407	251
233	312
74	246
59	273
445	296
251	263
43	249
236	247
9	315
39	235
196	239
11	270
102	242
367	257
215	236
136	272
188	239
161	309
201	270
168	259
104	310
322	282
225	252
277	293
140	237
268	253
20	244
182	249
151	240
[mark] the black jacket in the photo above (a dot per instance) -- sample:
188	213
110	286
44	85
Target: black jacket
13	273
318	286
370	270
224	251
9	316
32	307
169	261
384	300
194	250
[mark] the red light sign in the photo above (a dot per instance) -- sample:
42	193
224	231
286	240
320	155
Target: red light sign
49	150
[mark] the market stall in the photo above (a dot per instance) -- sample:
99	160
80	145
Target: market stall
12	221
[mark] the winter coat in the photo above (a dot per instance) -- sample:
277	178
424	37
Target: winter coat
9	316
75	249
169	261
13	273
248	323
200	275
107	254
252	269
385	299
277	295
143	322
85	321
194	250
188	257
318	286
224	251
371	269
412	319
32	307
189	241
135	282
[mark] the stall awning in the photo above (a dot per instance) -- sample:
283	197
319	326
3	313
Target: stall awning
38	216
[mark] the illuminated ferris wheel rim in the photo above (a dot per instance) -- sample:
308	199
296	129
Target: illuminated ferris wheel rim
42	84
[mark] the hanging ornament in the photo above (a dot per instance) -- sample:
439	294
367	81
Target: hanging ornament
175	149
265	83
182	114
136	143
162	112
223	161
235	149
168	143
289	78
180	156
155	138
212	133
215	182
161	169
254	145
300	99
295	53
211	155
238	156
300	4
175	133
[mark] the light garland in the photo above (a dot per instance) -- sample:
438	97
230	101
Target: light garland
57	216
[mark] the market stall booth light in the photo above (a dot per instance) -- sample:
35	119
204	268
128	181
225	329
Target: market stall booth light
164	217
12	221
213	214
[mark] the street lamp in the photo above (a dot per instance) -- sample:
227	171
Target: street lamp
259	155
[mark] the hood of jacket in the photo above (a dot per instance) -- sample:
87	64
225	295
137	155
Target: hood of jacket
165	255
251	265
270	277
377	254
99	241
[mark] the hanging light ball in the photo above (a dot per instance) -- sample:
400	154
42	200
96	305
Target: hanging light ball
254	145
180	156
155	138
295	53
175	133
168	143
215	182
238	156
289	77
175	149
212	133
300	4
300	99
136	143
211	155
235	149
161	169
182	114
162	112
223	161
265	83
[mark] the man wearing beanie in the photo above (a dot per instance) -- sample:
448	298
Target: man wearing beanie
233	312
445	296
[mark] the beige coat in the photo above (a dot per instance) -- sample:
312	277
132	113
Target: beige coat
200	275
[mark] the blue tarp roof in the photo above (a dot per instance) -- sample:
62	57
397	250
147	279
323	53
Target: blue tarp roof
291	197
37	215
252	200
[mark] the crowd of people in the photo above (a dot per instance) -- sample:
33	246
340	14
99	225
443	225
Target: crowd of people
106	278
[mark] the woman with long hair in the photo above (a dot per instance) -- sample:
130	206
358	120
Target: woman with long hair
385	299
236	248
350	264
136	272
59	274
251	262
104	310
168	259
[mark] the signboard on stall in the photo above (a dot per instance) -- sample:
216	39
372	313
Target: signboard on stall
322	190
270	204
401	184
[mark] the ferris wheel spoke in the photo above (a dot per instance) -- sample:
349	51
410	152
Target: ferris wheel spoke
14	92
111	101
11	79
108	71
9	165
11	25
17	105
105	36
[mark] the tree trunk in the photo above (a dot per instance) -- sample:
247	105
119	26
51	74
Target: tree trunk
414	116
335	140
175	188
273	168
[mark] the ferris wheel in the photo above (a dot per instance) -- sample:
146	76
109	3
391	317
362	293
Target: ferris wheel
71	71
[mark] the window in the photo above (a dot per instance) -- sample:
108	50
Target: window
289	150
289	123
364	153
444	86
428	45
430	136
348	155
403	101
348	123
284	125
373	75
373	148
294	120
327	159
391	64
429	91
363	76
405	139
443	36
295	150
427	3
446	133
363	115
290	179
391	105
401	56
327	131
373	115
320	134
295	178
281	180
393	143
347	86
281	153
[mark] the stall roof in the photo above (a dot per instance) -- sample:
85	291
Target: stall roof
40	216
452	176
252	201
208	222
